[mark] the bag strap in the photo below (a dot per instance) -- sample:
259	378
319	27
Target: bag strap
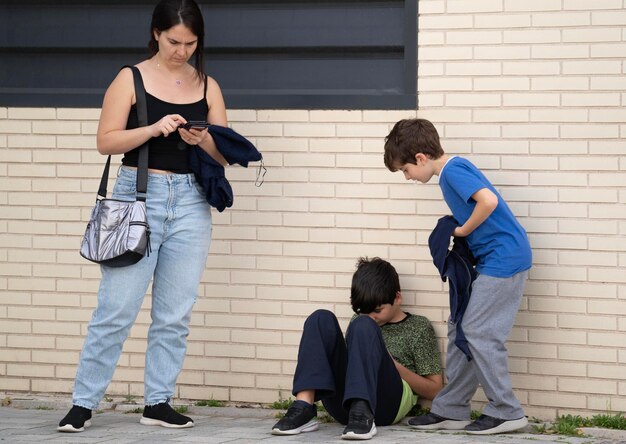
142	164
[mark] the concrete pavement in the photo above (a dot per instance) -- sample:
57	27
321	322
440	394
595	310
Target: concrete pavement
34	421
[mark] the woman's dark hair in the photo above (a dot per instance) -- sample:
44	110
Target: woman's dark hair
408	138
169	13
375	282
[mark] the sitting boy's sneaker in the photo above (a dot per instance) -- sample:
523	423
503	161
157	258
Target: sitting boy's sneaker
431	421
76	420
488	425
300	417
165	416
360	421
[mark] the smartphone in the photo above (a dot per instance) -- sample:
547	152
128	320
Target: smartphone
196	124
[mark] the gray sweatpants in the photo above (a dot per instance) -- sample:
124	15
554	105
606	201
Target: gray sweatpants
487	324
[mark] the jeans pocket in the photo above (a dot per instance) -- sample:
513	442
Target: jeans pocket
124	189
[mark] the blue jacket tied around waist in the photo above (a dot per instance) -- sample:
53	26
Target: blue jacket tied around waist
457	266
210	174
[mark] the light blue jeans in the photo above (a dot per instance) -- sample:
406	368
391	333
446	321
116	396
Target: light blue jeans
180	224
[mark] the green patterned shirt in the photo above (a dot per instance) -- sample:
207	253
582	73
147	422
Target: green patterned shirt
413	344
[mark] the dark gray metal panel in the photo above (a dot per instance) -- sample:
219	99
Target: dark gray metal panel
287	54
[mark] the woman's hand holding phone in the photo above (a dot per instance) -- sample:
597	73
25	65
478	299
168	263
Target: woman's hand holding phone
193	132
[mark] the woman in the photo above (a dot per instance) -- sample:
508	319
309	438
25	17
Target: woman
178	215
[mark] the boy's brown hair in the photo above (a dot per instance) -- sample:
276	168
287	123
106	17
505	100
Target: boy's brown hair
408	138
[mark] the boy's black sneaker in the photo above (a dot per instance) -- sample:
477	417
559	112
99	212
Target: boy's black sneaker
430	421
76	420
488	425
165	416
300	417
360	421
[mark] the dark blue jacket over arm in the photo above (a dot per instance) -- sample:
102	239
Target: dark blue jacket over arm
210	174
457	266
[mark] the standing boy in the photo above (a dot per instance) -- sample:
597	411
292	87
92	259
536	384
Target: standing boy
374	376
502	251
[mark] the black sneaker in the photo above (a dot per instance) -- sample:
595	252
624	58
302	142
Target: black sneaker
76	420
164	415
360	421
488	425
300	417
430	421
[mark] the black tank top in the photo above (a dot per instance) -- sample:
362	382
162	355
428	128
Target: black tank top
166	153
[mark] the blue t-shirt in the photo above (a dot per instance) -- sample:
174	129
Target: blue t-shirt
500	243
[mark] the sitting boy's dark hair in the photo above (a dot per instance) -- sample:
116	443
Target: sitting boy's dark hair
375	282
409	137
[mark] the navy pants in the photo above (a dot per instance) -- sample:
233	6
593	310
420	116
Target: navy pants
341	370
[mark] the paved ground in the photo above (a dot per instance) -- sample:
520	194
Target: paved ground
34	421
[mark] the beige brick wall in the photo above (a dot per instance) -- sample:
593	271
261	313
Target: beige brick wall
533	92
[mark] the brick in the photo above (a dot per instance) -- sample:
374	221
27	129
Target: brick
534	382
251	395
266	115
283	293
26	284
608	83
254	129
607	115
56	127
591	99
606	275
15	126
55	357
588	258
601	403
562	19
597	4
587	385
308	249
560	83
606	371
502	21
588	195
532	5
444	22
536	320
76	144
428	84
387	116
242	115
552	178
308	279
474	37
334	116
608	18
32	370
308	130
532	36
604	211
528	67
15	384
473	100
530	99
558	400
283	144
550	115
557	305
591	67
608	307
607	147
278	263
589	227
587	354
31	141
532	350
255	337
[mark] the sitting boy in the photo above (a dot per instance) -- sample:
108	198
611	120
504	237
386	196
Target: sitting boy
388	358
